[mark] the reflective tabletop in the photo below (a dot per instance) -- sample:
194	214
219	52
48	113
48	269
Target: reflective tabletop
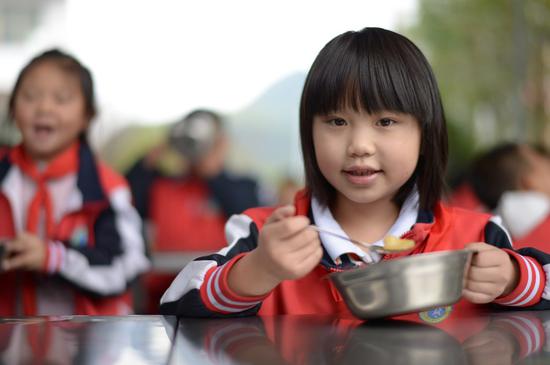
498	338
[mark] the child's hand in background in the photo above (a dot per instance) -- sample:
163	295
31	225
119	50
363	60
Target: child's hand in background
25	252
492	273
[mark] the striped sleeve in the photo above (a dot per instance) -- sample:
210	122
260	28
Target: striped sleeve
218	296
533	289
55	254
531	283
201	290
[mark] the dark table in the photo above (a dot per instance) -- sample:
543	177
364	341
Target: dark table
497	338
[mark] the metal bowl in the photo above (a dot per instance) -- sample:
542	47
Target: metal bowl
405	285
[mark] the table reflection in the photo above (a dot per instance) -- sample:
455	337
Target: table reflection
85	340
507	338
498	338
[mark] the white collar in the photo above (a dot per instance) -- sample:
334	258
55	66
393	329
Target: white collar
336	247
522	211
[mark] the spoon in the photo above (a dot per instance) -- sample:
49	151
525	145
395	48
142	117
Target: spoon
369	246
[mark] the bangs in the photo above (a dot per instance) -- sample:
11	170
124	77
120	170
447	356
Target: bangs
368	75
68	64
374	70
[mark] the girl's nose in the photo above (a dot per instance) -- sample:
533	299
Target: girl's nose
45	104
361	143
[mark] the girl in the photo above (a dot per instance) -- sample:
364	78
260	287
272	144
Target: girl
513	180
73	237
375	148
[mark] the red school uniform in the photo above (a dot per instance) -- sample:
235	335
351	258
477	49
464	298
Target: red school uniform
201	288
82	210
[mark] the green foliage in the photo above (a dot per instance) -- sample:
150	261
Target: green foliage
488	56
130	144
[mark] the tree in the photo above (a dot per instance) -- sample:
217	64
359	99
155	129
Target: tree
491	59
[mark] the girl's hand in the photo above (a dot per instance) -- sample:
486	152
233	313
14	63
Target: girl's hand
25	252
492	273
286	250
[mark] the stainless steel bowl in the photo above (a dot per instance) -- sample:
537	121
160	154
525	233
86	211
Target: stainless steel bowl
410	284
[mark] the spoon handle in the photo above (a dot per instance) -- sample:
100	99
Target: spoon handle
332	233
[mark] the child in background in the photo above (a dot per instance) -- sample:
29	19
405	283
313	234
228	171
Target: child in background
374	142
187	211
73	238
513	180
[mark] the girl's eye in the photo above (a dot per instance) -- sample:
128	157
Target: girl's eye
338	122
385	122
29	96
62	98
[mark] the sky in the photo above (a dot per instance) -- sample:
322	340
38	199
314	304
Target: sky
155	60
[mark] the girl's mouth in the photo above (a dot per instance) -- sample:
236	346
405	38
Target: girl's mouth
361	172
361	176
42	130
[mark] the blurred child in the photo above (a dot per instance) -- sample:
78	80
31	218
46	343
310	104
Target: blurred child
187	211
374	142
73	238
514	181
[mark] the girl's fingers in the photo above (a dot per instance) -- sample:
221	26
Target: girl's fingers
308	248
488	289
15	246
476	297
16	262
281	213
313	257
484	274
487	255
490	259
305	238
302	262
287	227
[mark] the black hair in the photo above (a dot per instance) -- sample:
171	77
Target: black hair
373	70
67	63
205	112
496	171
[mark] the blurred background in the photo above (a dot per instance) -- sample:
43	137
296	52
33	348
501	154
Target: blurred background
154	61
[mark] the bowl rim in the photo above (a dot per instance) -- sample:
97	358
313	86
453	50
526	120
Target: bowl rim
384	267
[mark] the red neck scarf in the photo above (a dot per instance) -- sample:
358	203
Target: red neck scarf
66	162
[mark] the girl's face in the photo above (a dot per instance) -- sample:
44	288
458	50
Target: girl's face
366	157
537	177
49	110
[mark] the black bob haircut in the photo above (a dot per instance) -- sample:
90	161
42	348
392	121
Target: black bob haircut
373	70
69	64
496	171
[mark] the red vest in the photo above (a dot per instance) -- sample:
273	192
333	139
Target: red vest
184	217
